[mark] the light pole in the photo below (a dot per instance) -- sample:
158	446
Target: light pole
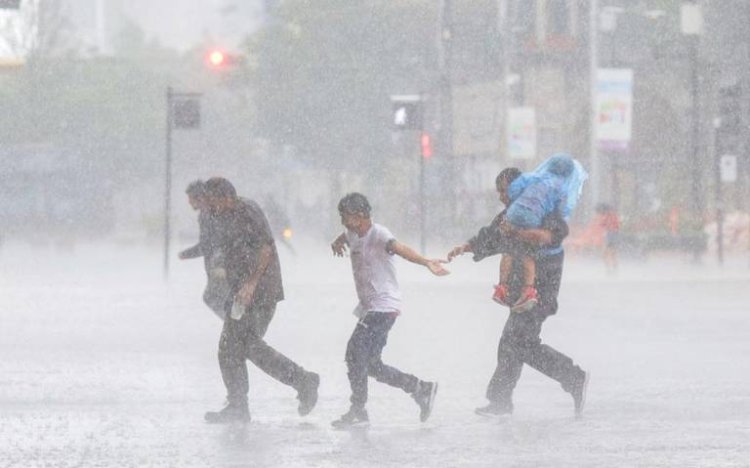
183	111
691	25
593	68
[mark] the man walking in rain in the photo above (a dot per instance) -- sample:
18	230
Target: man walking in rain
254	276
520	342
217	290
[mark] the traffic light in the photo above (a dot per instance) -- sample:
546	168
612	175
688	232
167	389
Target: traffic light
407	112
10	4
220	59
426	145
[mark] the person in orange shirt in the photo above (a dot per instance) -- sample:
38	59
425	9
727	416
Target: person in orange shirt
609	222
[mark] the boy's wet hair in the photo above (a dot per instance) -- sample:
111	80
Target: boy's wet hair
220	187
196	188
354	203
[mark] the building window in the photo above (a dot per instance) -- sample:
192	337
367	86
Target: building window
558	18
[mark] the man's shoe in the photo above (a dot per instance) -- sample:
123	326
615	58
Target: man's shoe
308	394
425	398
355	417
494	410
579	394
527	301
230	413
501	295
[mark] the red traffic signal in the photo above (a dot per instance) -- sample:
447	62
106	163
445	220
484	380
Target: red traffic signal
216	58
426	145
220	59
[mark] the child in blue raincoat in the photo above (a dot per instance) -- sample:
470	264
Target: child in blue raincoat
555	185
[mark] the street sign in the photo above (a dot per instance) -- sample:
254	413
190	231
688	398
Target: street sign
728	168
186	112
10	4
521	132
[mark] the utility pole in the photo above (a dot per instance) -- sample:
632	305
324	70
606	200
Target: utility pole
183	111
168	182
445	64
593	77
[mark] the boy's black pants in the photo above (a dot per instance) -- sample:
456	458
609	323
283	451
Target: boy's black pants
363	358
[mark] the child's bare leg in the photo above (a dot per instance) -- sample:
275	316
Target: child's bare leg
528	298
501	290
529	270
506	265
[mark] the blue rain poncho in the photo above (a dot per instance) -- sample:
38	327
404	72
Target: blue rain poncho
557	183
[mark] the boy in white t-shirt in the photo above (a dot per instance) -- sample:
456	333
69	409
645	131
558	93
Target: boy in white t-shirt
372	248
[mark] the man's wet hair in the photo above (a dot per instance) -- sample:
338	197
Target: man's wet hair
355	203
196	188
509	174
220	187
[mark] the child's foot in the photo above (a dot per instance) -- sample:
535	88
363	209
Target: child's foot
527	301
501	294
355	417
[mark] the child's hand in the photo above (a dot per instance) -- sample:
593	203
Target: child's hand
436	267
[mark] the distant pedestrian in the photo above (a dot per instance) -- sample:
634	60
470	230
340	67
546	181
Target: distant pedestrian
609	223
216	292
372	248
520	342
254	277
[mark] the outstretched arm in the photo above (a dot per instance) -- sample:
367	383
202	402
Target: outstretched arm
339	245
407	253
192	252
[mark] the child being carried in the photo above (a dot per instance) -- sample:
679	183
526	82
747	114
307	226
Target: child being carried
555	185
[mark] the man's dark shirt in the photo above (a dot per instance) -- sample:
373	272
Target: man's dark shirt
242	231
490	240
549	260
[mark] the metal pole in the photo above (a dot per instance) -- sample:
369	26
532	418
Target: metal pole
422	217
594	66
168	182
445	140
695	163
719	195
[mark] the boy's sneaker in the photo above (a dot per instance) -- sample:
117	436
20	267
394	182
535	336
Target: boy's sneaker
425	398
527	301
495	410
579	394
501	295
355	417
229	414
308	394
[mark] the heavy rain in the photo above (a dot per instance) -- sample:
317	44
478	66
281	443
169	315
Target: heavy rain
270	232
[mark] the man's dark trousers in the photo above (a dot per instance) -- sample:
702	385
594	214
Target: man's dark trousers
363	358
243	339
520	342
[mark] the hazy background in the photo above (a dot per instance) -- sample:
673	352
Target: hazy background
302	113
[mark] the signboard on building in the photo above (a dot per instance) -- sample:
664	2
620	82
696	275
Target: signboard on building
477	118
614	108
728	168
521	132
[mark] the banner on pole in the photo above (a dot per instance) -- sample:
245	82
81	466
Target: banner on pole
614	108
521	132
